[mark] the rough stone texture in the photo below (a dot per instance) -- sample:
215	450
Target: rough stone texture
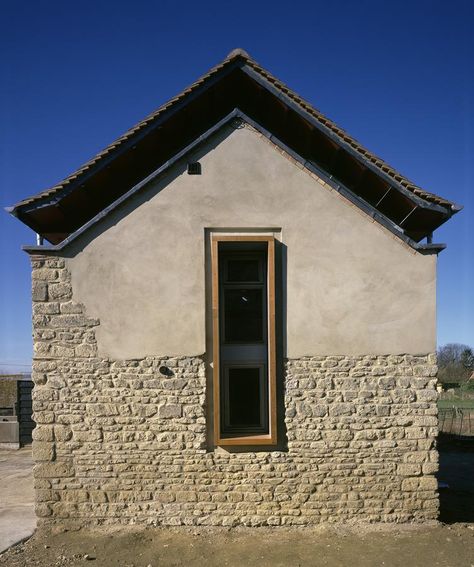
8	393
118	442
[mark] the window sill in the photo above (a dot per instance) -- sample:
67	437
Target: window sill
247	440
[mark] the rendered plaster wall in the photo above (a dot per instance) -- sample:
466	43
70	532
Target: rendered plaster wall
351	286
118	441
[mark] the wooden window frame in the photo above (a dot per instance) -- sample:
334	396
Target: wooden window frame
249	440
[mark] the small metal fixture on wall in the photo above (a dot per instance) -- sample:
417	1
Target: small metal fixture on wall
165	371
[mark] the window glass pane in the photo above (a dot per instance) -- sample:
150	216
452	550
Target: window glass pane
244	397
243	315
243	270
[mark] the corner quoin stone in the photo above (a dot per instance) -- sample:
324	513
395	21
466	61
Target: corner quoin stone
39	291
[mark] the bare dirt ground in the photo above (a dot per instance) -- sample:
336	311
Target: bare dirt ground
444	546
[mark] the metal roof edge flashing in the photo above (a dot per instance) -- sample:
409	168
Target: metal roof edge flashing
434	248
35	249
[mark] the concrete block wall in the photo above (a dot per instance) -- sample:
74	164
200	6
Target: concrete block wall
118	441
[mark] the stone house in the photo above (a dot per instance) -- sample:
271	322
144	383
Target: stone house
234	321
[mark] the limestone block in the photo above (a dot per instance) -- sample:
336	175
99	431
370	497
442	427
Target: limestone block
97	496
170	411
85	351
69	307
56	382
64	509
430	468
62	433
39	290
45	274
41	348
43	417
427	395
102	409
88	436
68	321
342	409
50	308
428	483
61	351
45	495
42	510
147	410
75	496
54	263
45	393
59	291
409	469
43	433
58	469
43	451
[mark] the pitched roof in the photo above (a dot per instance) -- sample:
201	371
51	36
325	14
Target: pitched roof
237	59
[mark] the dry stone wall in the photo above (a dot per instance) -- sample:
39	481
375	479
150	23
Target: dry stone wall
123	442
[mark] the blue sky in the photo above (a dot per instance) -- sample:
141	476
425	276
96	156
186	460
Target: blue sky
399	76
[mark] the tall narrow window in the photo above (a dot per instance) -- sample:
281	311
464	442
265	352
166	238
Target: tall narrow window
243	299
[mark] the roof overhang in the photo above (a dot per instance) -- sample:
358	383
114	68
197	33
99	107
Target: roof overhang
235	119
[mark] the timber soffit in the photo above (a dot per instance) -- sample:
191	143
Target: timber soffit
234	118
239	58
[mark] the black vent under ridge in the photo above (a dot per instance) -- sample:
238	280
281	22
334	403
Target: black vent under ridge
194	168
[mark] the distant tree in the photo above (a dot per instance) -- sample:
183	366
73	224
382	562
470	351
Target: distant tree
455	362
467	359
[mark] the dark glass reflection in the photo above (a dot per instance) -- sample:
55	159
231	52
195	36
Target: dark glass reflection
243	315
244	397
243	270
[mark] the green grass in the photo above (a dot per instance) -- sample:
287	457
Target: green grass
456	402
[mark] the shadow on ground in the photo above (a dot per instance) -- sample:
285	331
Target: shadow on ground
456	469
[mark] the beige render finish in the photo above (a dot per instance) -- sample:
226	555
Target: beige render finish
352	286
